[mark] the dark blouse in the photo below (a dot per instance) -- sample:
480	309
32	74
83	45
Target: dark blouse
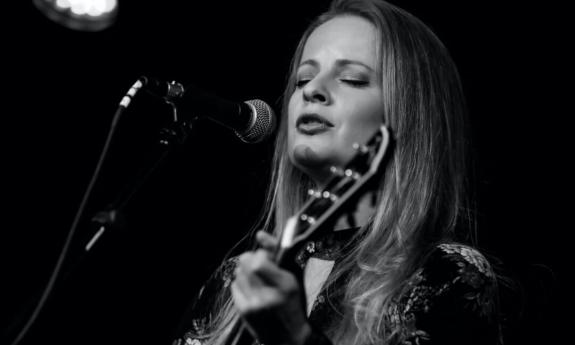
450	300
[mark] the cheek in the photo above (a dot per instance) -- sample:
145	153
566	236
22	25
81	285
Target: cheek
291	123
292	111
360	127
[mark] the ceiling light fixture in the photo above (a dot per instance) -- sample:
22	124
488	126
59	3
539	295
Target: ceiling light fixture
82	15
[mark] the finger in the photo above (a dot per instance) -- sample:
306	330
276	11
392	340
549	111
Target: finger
249	298
245	272
266	241
255	260
246	299
260	270
271	275
238	295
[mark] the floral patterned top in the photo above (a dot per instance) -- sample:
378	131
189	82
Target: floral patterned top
450	300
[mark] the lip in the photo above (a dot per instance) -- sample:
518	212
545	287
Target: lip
312	123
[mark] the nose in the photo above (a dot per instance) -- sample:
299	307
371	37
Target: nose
316	91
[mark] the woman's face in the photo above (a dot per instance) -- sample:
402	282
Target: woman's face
338	98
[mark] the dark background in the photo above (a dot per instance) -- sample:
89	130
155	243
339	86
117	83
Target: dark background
61	88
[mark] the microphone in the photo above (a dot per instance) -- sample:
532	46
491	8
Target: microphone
252	120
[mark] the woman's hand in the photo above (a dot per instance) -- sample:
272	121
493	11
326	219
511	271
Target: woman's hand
269	298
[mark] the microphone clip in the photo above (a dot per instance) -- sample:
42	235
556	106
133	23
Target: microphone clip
175	133
168	91
174	91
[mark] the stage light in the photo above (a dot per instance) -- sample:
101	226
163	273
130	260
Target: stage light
83	15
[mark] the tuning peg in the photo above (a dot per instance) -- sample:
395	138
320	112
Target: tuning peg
361	148
327	195
304	217
353	174
314	193
336	171
340	172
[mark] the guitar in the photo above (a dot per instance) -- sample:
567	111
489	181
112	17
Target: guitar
343	189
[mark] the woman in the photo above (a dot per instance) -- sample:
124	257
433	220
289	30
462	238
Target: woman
394	273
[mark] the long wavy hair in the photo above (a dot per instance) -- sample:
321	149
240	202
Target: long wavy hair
422	190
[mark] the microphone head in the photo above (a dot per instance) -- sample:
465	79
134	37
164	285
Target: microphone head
262	125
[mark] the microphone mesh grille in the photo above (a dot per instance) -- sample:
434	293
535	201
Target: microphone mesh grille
263	124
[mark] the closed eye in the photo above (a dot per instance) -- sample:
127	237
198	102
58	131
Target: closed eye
355	82
301	83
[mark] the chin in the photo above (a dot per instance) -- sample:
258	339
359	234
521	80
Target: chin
318	175
314	161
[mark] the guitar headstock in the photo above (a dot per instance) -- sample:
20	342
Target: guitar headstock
344	184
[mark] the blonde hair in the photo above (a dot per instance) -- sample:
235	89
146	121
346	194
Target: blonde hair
421	194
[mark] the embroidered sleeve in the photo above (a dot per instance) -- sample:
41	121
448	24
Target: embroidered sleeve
198	320
451	300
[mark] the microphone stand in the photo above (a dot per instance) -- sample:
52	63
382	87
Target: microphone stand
171	136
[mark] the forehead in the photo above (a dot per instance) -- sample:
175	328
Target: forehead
345	37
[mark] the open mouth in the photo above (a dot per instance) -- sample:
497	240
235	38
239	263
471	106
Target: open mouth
311	124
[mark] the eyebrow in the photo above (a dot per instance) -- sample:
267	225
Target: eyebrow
339	63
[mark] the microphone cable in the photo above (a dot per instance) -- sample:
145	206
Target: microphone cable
124	103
